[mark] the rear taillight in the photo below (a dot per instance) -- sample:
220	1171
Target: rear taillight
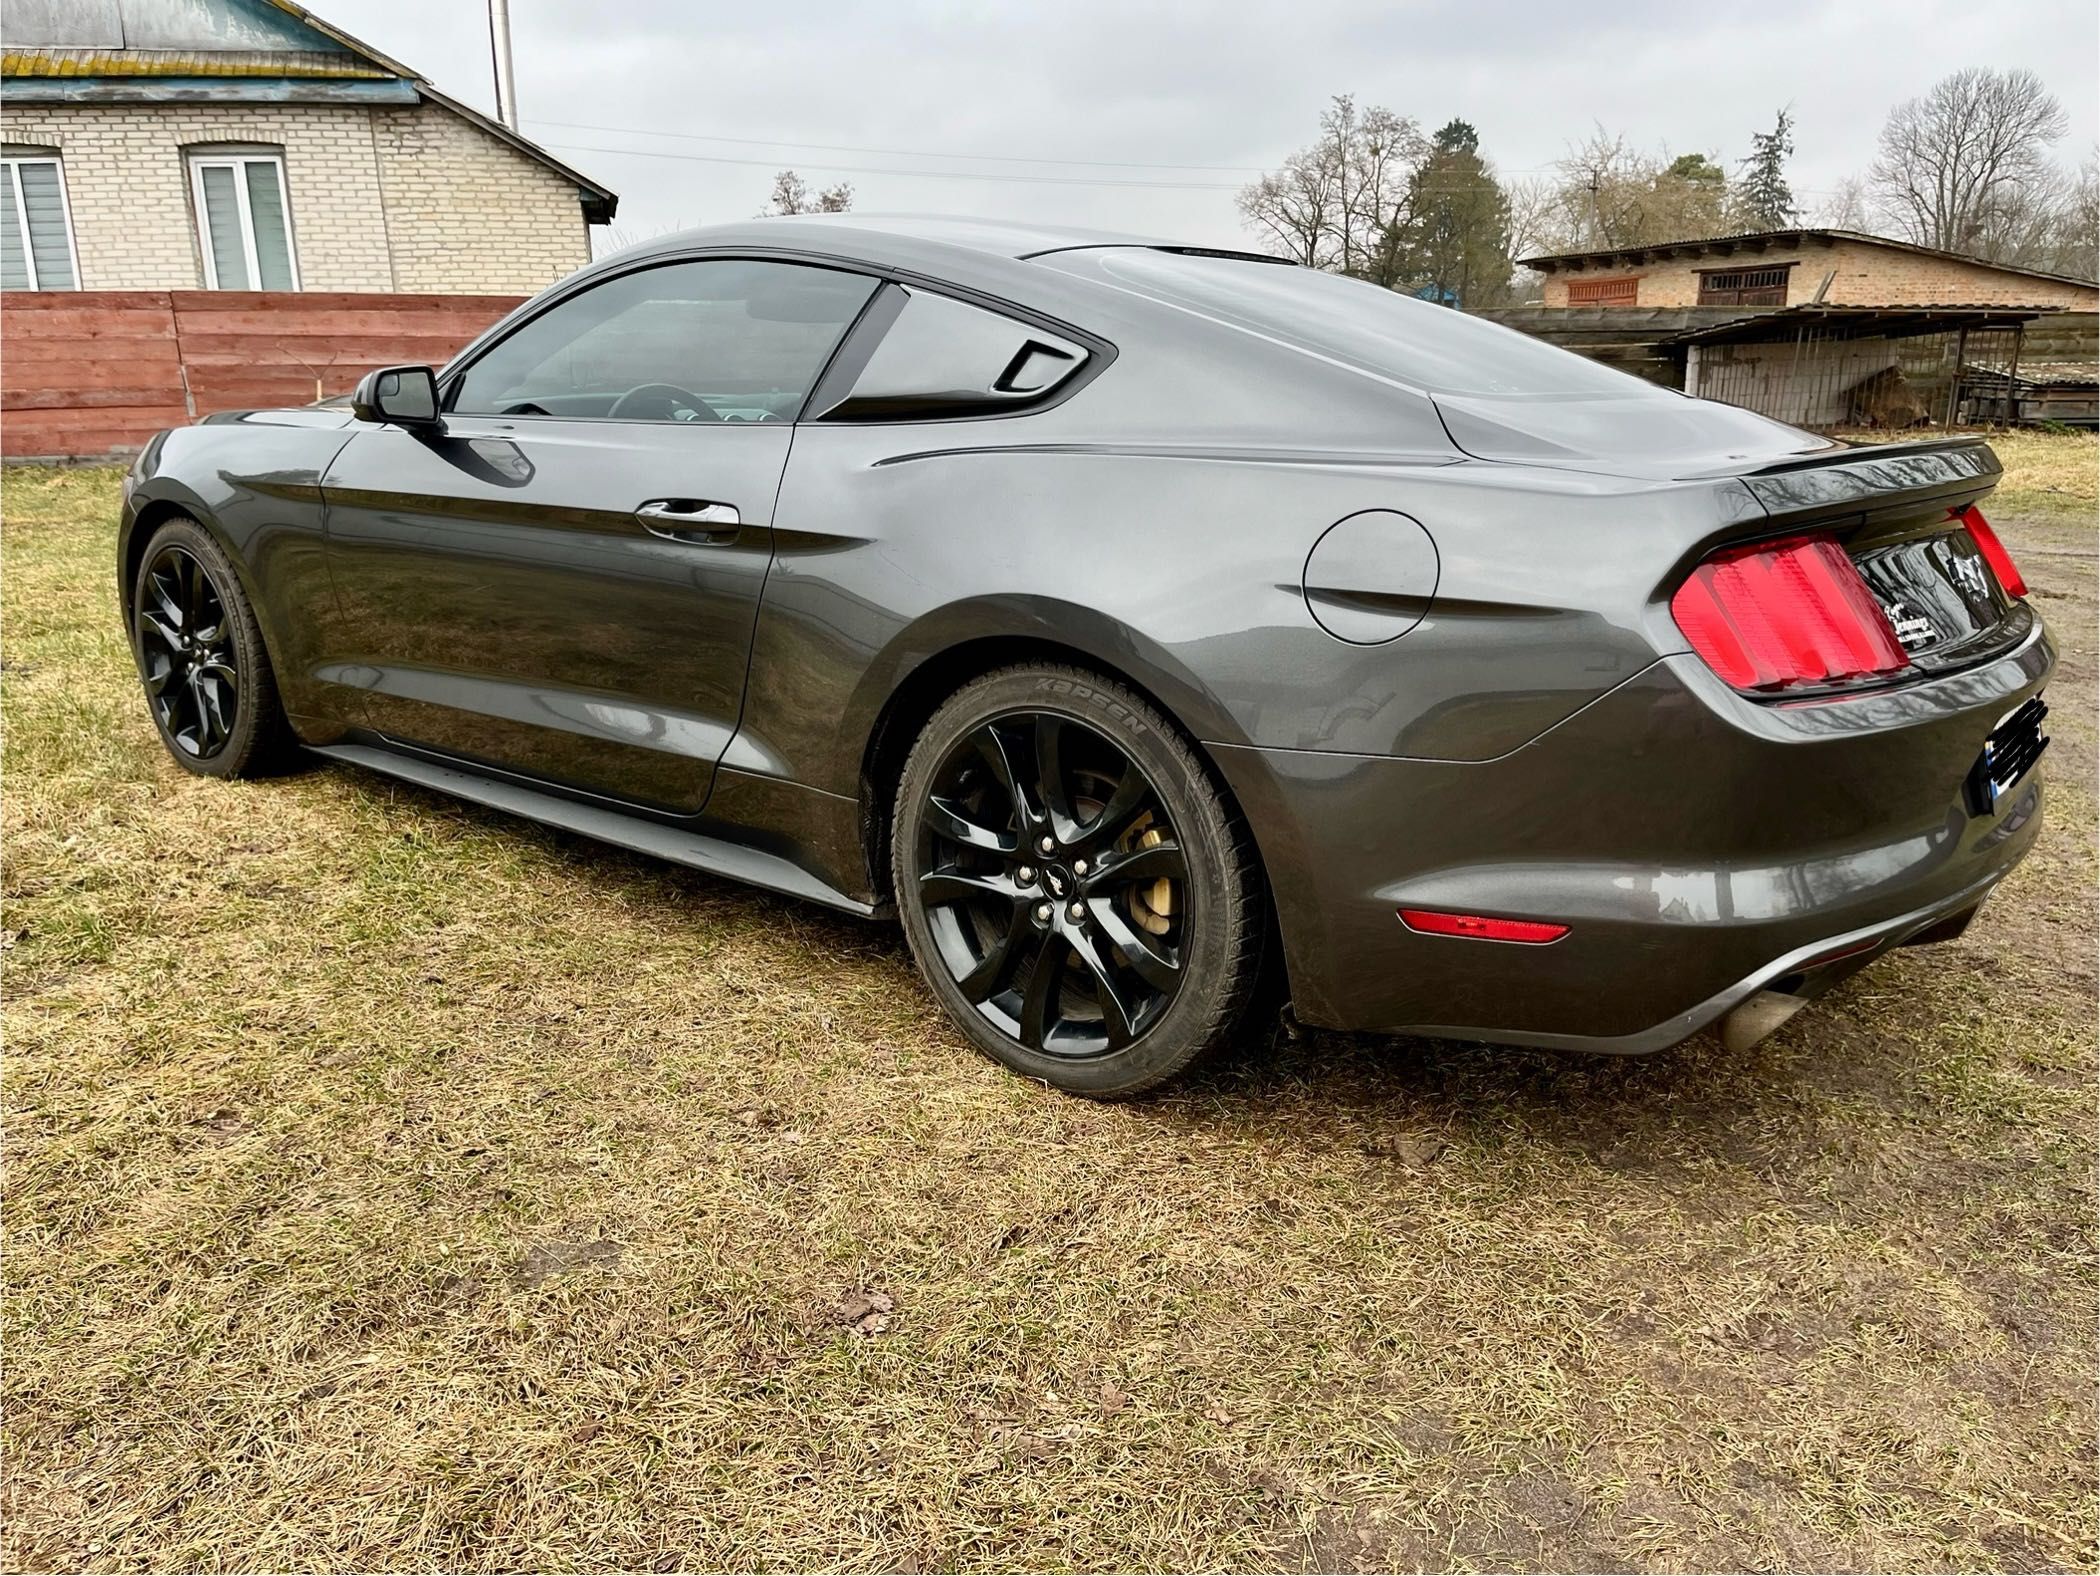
1783	615
1993	550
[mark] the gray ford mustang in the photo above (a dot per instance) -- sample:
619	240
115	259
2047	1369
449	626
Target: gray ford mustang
1133	621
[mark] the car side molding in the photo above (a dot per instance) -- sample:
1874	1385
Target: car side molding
716	855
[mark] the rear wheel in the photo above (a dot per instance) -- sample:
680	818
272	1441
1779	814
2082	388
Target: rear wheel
1075	889
200	653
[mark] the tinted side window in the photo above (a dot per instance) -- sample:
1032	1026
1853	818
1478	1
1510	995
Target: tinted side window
720	340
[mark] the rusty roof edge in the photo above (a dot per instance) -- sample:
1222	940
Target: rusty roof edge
1802	233
38	62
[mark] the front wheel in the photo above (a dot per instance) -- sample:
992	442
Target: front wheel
200	653
1075	889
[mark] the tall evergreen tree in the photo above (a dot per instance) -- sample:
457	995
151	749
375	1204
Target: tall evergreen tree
1765	200
1454	245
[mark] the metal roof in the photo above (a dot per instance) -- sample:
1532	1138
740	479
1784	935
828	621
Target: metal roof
1766	240
1857	322
2040	374
186	26
187	63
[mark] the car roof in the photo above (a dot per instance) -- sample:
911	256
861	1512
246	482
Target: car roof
998	237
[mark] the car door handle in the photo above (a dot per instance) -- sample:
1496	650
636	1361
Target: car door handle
689	519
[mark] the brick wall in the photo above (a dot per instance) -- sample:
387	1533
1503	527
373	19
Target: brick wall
454	192
91	373
386	198
1864	275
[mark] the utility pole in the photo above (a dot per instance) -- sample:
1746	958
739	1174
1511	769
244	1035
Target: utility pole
506	79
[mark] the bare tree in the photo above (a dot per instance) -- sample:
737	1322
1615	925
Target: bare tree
1959	168
1338	203
1847	206
1297	208
2076	248
1607	193
1600	179
1535	225
792	195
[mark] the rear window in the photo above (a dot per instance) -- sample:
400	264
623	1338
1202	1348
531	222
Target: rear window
1364	326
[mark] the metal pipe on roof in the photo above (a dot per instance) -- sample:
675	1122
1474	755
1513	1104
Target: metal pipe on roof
506	79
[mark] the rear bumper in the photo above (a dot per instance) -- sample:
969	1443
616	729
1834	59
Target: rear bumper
1700	848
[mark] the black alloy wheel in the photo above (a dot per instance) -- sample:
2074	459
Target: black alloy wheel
187	653
207	675
1054	884
1076	889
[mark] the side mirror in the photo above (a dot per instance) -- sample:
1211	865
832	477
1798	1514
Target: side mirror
406	396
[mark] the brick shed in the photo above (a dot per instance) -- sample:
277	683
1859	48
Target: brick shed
1780	268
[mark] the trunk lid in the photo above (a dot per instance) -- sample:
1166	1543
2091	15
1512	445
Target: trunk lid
1896	509
1893	506
1647	432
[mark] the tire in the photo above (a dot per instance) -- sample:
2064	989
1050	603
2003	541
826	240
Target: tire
1113	957
209	686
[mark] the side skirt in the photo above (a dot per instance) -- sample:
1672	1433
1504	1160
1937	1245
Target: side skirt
717	856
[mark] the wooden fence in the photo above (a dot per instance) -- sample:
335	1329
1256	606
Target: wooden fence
91	373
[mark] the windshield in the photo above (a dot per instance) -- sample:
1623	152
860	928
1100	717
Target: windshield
1361	325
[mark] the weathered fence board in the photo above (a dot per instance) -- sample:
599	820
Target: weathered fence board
91	373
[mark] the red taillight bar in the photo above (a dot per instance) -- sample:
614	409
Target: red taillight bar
1780	615
1993	550
1480	927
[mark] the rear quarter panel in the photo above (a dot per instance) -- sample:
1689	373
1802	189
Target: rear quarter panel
1183	567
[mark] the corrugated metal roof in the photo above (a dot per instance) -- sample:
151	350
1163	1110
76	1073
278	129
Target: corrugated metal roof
186	26
1860	322
1547	262
2042	374
186	63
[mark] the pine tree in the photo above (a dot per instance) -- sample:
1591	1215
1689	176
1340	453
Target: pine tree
1767	202
1454	246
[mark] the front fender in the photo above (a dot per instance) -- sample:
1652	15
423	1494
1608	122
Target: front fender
255	486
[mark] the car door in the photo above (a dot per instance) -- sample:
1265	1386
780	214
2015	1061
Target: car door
561	580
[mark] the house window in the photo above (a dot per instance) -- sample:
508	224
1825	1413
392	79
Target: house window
1743	286
1604	292
244	222
36	227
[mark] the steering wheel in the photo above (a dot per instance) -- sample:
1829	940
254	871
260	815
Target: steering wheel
662	402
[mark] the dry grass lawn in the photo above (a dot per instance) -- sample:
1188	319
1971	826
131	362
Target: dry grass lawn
390	1184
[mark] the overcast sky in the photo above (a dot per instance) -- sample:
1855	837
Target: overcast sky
1115	92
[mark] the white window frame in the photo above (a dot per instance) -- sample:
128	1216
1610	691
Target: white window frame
14	164
199	163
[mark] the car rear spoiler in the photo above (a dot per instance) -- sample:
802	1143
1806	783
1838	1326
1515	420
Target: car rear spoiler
1876	478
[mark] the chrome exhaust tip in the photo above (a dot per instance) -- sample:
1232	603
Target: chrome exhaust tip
1749	1021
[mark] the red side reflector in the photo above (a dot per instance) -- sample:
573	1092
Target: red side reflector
1993	550
1480	927
1842	953
1776	615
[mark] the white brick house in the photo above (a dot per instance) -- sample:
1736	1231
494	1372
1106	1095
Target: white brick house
246	144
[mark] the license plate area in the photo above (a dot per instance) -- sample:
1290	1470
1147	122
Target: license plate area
2009	754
